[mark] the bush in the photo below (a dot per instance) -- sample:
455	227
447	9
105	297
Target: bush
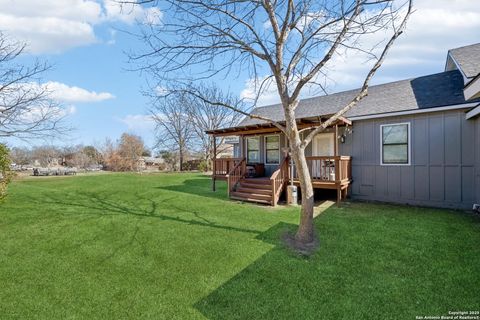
187	166
203	166
5	173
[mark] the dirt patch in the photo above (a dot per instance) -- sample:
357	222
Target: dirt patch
304	249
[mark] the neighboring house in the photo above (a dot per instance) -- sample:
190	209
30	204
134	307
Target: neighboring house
150	163
413	141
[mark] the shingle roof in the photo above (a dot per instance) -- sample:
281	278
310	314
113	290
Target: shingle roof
425	92
468	59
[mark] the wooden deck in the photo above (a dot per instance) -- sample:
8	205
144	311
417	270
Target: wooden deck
329	173
223	166
326	172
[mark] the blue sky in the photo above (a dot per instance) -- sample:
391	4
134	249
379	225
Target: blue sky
80	38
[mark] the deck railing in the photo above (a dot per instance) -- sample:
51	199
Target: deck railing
222	166
237	173
334	169
278	180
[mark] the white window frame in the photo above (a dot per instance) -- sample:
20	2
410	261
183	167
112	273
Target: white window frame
265	150
409	144
259	147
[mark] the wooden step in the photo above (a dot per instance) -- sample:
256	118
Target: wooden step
256	181
243	189
255	196
234	197
255	186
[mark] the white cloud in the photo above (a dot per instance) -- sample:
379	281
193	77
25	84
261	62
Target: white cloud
37	113
71	109
52	26
129	13
138	122
48	35
435	27
64	93
112	39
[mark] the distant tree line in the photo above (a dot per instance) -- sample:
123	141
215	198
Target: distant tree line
46	156
122	155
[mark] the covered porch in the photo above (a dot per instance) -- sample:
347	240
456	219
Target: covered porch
262	169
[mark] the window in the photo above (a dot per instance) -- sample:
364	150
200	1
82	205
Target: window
395	140
272	149
253	149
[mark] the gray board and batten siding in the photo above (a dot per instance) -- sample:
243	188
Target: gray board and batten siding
444	170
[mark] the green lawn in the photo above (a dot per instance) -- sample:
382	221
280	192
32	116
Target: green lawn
165	247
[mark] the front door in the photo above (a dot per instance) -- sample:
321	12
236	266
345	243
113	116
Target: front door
323	146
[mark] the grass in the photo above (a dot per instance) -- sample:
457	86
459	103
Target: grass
165	247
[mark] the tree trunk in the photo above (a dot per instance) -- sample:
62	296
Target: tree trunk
305	233
180	155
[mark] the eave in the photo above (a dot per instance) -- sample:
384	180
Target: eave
271	128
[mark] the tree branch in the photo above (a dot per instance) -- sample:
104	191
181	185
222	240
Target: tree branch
364	90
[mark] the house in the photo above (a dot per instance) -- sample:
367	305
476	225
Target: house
150	163
413	141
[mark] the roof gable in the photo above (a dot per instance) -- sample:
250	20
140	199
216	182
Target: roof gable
467	59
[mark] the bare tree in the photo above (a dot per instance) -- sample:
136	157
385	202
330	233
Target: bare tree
111	158
123	155
94	155
174	126
205	117
47	156
284	42
20	156
26	108
130	149
80	156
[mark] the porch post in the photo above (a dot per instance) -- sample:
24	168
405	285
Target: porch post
214	162
335	146
242	147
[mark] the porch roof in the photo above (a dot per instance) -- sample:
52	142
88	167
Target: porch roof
270	128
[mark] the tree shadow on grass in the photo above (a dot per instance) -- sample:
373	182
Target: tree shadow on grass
269	288
284	285
199	188
88	206
100	206
350	277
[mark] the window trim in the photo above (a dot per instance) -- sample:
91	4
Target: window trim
259	148
265	148
409	144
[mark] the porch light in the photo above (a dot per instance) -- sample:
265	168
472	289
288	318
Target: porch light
342	138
